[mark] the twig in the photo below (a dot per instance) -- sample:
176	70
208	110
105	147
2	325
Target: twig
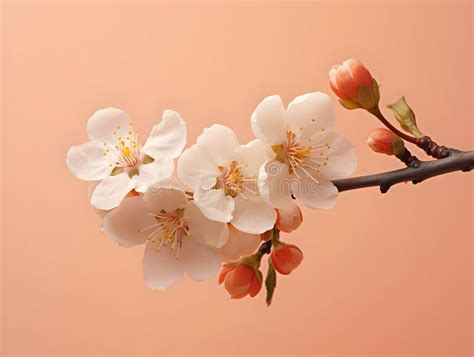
456	161
425	143
417	172
377	113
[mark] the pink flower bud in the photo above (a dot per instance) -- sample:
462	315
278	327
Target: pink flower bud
384	141
286	258
354	85
289	218
241	280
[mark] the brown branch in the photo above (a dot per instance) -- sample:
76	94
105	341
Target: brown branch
456	161
417	172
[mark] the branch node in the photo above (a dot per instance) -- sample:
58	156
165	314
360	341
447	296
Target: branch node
433	149
408	159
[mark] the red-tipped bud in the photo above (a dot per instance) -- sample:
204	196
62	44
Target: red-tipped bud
241	280
289	218
286	258
384	141
354	85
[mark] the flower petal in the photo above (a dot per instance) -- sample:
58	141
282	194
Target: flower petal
239	281
200	262
267	121
161	270
274	184
90	191
110	191
167	138
87	161
345	82
196	168
320	195
252	156
107	125
204	230
360	74
289	218
333	73
255	287
165	195
125	223
239	244
218	141
253	215
214	204
342	157
149	174
309	113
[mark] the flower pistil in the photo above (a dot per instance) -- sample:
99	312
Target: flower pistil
233	180
126	154
301	154
169	230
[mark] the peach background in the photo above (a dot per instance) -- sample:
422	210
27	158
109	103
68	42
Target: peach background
382	274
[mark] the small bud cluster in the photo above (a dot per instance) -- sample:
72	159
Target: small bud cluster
243	277
352	82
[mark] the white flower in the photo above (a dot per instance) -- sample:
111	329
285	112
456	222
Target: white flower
239	244
115	157
308	154
179	239
223	175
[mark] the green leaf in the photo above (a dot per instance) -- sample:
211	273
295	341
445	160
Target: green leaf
270	282
405	117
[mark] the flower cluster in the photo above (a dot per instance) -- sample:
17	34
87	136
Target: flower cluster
218	200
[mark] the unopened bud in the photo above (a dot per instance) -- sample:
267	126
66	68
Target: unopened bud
354	85
289	218
384	141
286	258
241	280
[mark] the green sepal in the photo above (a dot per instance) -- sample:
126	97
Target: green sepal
349	104
368	97
147	159
252	261
229	264
376	90
116	171
270	282
365	97
398	147
133	172
405	117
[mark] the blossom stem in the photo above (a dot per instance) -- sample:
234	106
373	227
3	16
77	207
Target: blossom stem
455	161
378	114
425	143
266	247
